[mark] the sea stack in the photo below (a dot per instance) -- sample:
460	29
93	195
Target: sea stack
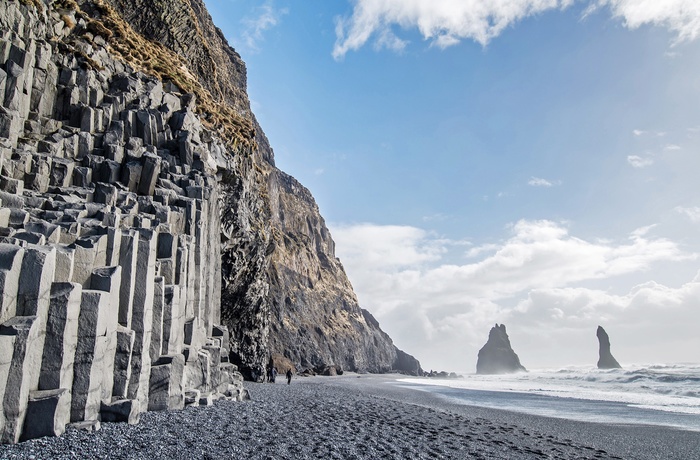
606	359
497	356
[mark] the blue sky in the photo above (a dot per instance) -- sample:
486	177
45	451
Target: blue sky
532	162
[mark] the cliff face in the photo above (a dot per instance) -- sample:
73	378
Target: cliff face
497	355
149	248
109	228
315	317
284	291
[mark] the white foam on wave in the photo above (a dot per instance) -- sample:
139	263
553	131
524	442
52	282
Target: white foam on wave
670	388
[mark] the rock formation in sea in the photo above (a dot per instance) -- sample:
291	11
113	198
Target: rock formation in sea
151	254
497	356
605	358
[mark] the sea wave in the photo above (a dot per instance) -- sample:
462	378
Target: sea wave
664	387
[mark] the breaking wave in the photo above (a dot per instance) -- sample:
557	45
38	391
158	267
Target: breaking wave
670	388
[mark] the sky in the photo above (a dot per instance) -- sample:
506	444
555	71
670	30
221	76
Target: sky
527	162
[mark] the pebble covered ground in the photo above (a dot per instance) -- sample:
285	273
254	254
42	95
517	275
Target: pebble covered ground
311	418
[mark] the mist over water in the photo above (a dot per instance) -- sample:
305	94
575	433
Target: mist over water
657	394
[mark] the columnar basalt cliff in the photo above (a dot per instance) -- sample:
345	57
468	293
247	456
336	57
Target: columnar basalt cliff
109	246
605	358
284	291
497	356
149	248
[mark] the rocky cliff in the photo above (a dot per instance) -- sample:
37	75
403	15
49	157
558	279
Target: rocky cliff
497	356
109	229
149	248
605	357
315	317
284	290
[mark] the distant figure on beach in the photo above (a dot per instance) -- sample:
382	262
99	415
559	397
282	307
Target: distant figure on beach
273	374
289	376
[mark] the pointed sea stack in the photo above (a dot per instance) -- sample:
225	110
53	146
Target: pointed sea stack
497	356
606	359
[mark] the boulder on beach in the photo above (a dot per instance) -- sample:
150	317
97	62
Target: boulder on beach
282	363
497	356
605	359
328	370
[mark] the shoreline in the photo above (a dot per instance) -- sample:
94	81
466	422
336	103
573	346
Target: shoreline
629	440
355	417
549	404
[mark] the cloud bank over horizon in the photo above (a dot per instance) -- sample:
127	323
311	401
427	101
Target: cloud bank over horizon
446	23
549	287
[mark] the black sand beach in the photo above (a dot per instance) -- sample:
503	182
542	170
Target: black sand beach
361	417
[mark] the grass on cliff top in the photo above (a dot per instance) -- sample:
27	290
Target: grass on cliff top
35	3
155	59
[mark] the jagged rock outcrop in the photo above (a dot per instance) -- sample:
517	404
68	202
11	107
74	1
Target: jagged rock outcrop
605	358
284	291
316	320
109	233
497	356
148	245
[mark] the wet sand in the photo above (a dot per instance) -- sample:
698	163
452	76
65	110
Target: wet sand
355	417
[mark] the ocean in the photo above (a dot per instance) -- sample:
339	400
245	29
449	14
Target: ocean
661	395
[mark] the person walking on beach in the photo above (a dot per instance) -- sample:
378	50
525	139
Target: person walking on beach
289	376
273	374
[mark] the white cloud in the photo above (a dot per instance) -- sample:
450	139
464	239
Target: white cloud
479	250
443	22
539	182
649	323
442	312
447	22
319	171
638	162
672	147
387	40
390	246
639	132
255	27
681	17
439	217
692	213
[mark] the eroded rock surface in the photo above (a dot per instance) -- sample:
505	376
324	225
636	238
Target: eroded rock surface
149	248
108	228
284	291
605	357
497	356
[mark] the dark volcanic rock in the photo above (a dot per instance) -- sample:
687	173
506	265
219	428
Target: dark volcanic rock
406	364
157	245
110	220
283	289
605	359
497	356
316	320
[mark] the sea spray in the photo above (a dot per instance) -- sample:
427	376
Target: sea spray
652	394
